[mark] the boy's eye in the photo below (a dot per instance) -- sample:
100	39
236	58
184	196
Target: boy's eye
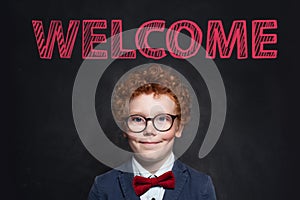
137	119
163	118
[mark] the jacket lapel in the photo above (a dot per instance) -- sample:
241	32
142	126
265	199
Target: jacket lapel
125	179
126	185
181	176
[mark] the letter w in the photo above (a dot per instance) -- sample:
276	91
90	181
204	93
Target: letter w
55	33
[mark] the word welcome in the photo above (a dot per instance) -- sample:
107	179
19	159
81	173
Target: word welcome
216	39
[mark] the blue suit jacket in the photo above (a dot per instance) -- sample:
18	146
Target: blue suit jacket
189	185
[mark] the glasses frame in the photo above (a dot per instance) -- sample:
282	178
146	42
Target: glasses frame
152	120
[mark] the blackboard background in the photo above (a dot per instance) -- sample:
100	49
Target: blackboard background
43	157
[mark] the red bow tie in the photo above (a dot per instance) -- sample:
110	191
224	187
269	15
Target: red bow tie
142	184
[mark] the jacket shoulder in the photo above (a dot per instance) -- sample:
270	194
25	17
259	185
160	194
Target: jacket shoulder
180	166
108	177
197	174
102	186
197	182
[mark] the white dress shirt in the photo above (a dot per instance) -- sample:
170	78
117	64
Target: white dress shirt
154	193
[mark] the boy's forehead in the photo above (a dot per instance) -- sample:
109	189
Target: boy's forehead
150	104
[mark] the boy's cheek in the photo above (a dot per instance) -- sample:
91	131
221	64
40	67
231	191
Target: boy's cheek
131	136
168	136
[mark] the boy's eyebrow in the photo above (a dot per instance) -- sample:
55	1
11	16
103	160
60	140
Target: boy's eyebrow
137	113
141	114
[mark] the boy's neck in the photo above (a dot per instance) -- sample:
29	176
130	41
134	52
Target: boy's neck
152	167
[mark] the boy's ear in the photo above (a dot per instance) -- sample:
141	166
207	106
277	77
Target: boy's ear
179	130
124	135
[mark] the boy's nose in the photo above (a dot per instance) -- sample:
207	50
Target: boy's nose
150	130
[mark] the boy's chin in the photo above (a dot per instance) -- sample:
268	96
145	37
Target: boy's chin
150	157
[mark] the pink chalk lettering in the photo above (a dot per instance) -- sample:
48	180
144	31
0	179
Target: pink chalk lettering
216	35
117	51
173	35
141	39
89	39
55	33
217	40
259	39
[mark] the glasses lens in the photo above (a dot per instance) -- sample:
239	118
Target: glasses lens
136	123
163	122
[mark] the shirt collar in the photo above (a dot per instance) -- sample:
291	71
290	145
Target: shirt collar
139	170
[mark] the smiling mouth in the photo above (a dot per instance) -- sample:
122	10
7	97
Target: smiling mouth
145	142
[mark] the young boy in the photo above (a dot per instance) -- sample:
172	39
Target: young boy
152	108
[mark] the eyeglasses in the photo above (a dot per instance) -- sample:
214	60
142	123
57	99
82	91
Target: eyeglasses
161	122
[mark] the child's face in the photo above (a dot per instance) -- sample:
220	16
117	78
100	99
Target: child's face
152	145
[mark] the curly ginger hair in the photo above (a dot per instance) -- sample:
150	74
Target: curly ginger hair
152	79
